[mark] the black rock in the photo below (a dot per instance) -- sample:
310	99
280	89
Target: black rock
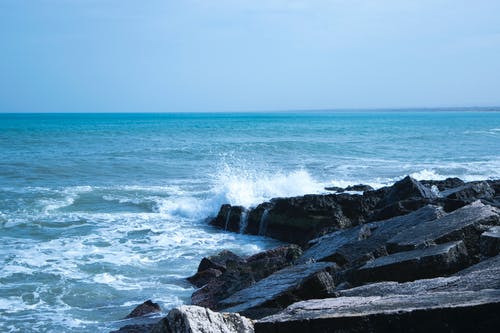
230	218
357	245
282	288
433	312
470	192
490	242
430	262
334	189
143	309
406	189
463	224
443	185
359	188
242	274
483	275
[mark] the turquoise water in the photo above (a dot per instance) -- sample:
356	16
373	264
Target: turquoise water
99	212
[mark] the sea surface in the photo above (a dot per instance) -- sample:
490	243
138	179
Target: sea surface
99	212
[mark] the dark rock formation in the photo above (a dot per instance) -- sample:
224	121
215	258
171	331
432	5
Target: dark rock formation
484	275
463	224
470	192
359	188
143	309
213	266
334	189
433	261
435	312
282	288
490	242
443	185
229	218
242	273
362	243
406	189
195	319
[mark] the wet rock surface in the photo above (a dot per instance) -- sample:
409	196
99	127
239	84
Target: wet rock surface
417	264
413	257
282	288
143	309
463	224
490	242
242	273
434	312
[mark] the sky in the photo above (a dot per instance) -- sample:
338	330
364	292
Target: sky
247	55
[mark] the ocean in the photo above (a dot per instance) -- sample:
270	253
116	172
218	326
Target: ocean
100	212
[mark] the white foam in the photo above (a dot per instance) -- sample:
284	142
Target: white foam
247	187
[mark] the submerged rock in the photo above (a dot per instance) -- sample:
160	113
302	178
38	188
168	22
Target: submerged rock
435	312
143	309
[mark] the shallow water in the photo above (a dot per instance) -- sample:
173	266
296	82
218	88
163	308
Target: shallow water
99	212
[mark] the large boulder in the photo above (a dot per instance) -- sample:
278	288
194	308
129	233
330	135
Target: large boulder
484	275
406	189
282	288
434	312
359	244
212	267
445	184
242	273
470	192
195	319
433	261
490	242
466	224
298	219
231	218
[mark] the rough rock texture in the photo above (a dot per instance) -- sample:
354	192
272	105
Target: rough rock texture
143	309
239	274
434	312
433	261
282	288
484	275
213	266
490	242
195	319
359	187
405	189
463	224
362	243
298	219
443	185
470	192
229	218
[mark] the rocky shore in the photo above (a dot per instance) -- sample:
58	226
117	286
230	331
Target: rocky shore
411	257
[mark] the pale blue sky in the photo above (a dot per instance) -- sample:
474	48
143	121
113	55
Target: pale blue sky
235	55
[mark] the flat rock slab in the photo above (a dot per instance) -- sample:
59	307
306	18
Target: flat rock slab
462	224
362	243
484	275
434	312
417	264
490	242
282	288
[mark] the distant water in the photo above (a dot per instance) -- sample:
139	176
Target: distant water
99	212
